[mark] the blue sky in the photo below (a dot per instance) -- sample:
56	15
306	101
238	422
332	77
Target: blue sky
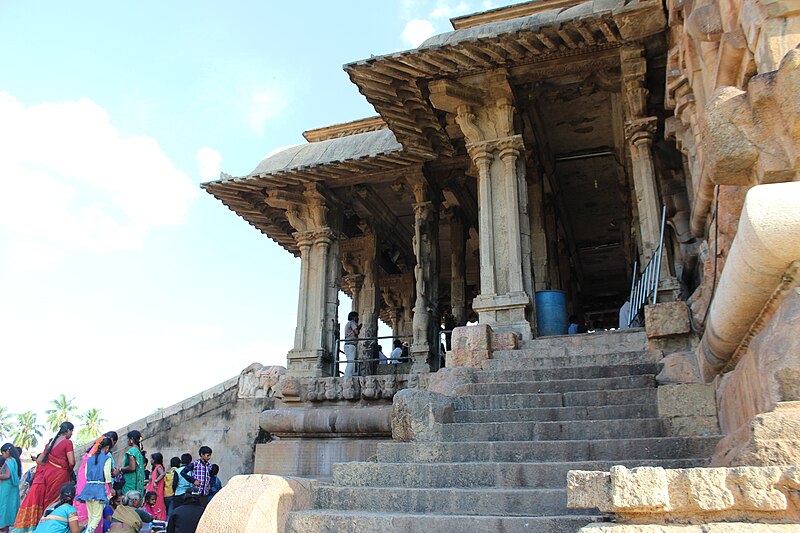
117	273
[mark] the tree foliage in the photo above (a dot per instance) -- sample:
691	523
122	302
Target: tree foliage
28	432
61	411
91	425
6	423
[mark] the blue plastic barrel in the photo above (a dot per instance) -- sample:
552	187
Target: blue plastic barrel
551	313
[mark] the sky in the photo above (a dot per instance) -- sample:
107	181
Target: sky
119	277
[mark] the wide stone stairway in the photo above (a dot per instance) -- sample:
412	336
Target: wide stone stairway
584	402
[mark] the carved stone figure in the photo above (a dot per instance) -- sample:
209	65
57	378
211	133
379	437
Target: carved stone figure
389	386
332	389
351	388
369	387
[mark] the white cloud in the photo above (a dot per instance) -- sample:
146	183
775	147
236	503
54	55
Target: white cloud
86	350
262	104
417	31
443	9
27	256
208	163
69	177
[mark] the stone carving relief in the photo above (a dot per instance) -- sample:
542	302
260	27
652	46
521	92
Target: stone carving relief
751	135
259	381
344	388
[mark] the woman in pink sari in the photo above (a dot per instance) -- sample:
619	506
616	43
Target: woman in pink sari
83	514
53	470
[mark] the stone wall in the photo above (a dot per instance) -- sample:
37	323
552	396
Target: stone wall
758	400
224	417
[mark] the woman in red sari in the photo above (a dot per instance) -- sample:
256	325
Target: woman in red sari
54	467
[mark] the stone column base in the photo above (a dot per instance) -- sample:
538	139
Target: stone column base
504	313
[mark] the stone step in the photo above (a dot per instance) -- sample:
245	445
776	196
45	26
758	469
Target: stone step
441	475
603	338
558	385
571	372
556	414
547	451
327	521
518	360
448	501
567	430
565	399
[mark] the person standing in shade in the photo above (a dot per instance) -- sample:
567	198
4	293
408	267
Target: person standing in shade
186	517
351	331
199	474
180	484
169	489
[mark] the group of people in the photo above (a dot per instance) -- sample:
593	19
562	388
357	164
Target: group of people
352	330
101	497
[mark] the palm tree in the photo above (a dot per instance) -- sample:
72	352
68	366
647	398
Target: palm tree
5	423
92	424
27	433
62	409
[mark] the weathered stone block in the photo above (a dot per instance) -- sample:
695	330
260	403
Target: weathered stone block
699	489
447	379
696	399
255	504
418	415
678	368
691	426
472	346
642	489
588	490
665	319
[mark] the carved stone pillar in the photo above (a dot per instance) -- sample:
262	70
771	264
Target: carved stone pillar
485	112
319	277
305	240
369	301
640	134
426	249
458	271
539	251
640	130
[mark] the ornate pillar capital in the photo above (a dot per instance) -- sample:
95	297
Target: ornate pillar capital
642	129
304	239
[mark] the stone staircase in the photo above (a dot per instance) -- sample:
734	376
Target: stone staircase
584	402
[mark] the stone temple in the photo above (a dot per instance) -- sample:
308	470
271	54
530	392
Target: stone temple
551	158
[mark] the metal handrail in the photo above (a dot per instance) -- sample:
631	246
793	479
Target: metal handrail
644	290
337	361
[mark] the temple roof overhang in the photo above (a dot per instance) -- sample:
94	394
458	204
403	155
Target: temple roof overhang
340	159
391	83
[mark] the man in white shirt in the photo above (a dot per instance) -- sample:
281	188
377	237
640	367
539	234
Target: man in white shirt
397	352
351	331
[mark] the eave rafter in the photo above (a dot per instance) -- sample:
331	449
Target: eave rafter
395	83
245	196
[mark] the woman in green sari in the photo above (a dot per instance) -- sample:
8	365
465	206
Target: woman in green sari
133	465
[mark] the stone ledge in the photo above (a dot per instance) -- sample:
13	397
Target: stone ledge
653	495
714	527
